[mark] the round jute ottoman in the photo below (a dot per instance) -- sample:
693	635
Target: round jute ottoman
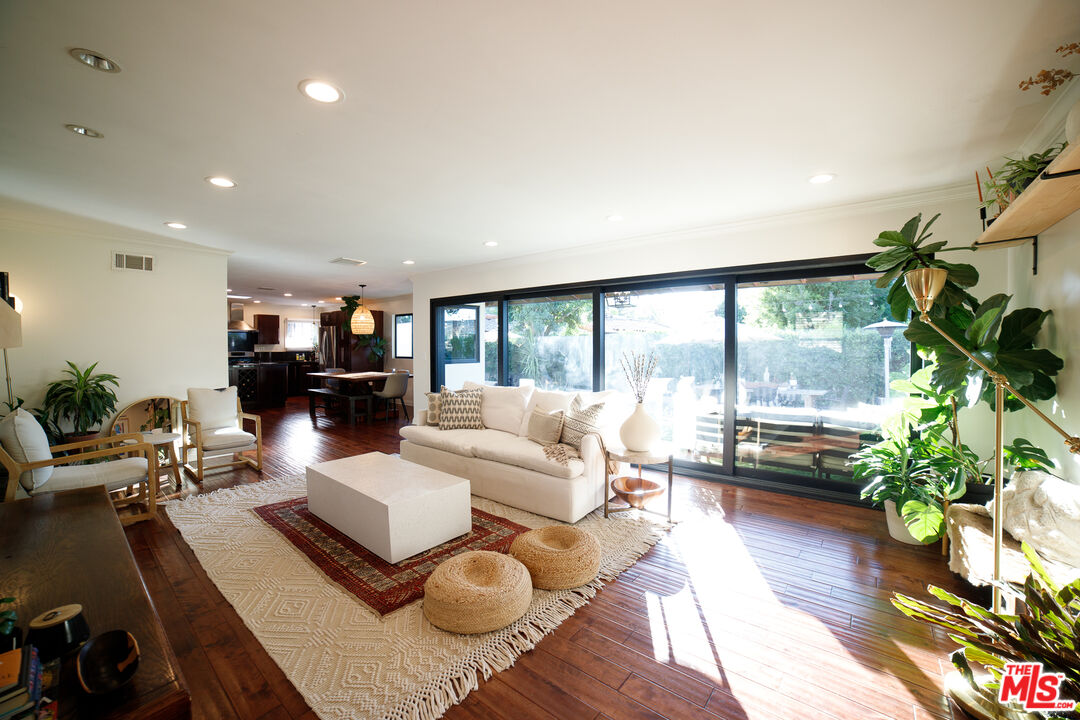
476	592
558	557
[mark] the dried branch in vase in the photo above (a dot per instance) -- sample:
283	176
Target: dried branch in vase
639	370
1051	80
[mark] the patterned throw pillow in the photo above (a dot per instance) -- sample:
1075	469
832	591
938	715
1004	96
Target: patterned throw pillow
434	400
580	421
460	410
545	428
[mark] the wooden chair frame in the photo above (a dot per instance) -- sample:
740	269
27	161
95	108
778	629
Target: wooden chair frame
128	444
193	428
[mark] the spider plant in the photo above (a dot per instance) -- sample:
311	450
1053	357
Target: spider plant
83	398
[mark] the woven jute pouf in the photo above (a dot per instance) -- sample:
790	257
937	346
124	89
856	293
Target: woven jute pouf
558	557
476	592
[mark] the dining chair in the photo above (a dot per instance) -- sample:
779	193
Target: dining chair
393	391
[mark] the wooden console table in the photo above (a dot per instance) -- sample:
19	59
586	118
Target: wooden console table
69	547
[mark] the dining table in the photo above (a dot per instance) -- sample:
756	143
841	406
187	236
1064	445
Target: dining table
351	385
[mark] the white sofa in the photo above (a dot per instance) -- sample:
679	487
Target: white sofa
502	464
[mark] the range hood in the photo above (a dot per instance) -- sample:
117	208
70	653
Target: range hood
236	317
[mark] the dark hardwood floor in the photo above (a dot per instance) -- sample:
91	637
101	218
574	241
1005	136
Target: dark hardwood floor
755	605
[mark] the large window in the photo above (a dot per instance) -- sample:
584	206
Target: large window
684	328
403	336
812	372
550	342
765	374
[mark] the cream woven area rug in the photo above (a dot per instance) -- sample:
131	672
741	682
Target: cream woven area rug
343	658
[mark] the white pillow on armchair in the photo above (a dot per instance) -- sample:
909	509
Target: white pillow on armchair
25	441
212	408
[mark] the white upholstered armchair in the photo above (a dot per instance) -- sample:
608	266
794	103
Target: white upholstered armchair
129	472
213	427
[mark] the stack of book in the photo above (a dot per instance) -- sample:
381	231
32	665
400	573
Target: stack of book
20	683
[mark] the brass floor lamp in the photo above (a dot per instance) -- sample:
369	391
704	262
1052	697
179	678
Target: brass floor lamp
925	284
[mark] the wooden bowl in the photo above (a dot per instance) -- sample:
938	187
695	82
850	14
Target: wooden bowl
636	491
107	662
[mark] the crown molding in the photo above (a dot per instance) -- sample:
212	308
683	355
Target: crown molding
913	199
26	217
1051	126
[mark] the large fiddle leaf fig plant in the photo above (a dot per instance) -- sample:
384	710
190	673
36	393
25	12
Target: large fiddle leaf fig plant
1003	341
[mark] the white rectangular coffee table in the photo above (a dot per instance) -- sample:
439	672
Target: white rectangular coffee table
392	507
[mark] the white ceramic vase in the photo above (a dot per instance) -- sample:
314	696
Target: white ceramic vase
639	433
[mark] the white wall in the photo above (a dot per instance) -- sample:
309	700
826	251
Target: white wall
398	305
161	332
1056	287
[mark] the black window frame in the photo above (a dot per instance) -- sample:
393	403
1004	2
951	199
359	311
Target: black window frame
731	278
475	358
412	339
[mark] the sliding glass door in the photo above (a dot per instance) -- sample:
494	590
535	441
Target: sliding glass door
683	328
768	374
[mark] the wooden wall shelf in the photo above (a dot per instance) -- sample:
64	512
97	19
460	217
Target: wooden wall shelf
1044	203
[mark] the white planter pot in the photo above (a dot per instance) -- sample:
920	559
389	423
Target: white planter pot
897	529
639	433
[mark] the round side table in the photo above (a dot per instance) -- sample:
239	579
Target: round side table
658	455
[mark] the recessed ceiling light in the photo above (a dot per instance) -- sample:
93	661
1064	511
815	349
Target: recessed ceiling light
94	60
221	181
239	297
338	299
288	294
822	178
408	262
490	243
84	131
614	218
320	91
176	225
256	301
228	289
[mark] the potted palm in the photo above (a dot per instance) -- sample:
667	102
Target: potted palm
83	398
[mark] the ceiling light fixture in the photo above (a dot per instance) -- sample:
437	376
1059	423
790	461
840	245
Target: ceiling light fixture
94	60
363	322
176	225
822	178
320	91
490	243
228	289
408	262
84	131
288	294
256	301
615	218
221	181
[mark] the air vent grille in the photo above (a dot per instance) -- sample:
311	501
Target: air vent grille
348	261
128	261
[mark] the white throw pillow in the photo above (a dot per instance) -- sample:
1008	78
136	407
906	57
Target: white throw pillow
502	408
1044	511
24	440
212	408
580	420
546	401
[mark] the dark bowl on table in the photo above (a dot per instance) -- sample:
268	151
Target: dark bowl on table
636	491
107	662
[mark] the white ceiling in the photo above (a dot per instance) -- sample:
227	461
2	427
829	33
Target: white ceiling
524	122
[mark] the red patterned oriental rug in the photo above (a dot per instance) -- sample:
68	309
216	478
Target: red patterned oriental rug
376	583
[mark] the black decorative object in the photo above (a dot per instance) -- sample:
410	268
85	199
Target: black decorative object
58	631
108	662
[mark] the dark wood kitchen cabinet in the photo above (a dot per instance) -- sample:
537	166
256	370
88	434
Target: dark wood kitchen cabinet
299	382
273	384
269	327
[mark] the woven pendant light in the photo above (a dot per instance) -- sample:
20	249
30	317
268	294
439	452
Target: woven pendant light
363	322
